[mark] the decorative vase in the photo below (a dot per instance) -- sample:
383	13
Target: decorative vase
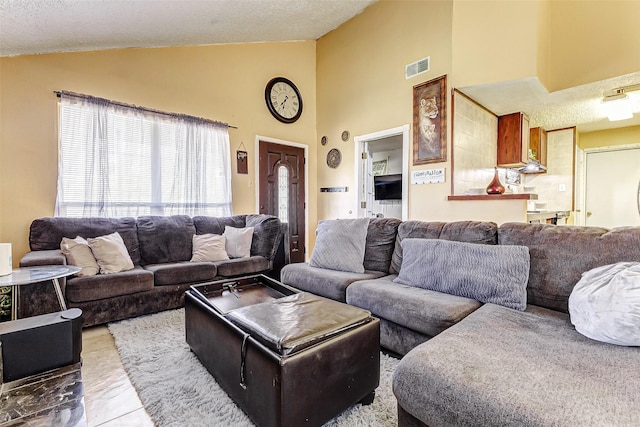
495	187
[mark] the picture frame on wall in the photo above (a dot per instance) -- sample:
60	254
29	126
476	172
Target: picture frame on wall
430	121
379	167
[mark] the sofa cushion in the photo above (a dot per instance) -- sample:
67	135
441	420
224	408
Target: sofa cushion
460	231
101	286
175	273
238	241
340	245
502	367
165	238
215	225
47	233
422	310
209	247
381	240
487	273
399	339
79	253
560	254
111	253
242	266
605	304
320	281
267	231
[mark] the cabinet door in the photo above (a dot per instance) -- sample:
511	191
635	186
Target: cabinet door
513	140
538	145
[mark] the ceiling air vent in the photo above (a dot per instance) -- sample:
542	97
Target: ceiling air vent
415	68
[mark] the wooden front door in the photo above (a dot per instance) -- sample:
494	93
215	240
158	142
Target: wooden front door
282	191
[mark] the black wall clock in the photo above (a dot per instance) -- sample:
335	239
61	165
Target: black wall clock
283	99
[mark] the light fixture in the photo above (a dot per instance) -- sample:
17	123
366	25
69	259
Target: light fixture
532	167
617	105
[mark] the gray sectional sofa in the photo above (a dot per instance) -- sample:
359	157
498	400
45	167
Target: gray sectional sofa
160	248
471	363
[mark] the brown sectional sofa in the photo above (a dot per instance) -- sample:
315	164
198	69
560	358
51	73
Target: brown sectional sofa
160	248
468	363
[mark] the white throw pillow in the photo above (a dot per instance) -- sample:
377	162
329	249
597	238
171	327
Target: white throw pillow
78	253
111	253
340	245
209	247
238	241
605	304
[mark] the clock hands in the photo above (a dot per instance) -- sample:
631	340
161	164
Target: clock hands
284	101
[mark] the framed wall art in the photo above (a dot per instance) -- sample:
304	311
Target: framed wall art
430	121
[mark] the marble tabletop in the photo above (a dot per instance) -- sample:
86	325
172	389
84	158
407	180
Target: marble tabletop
53	398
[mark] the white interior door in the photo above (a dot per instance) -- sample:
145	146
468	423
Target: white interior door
612	185
365	198
363	170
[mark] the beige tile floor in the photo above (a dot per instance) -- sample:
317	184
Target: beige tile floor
109	396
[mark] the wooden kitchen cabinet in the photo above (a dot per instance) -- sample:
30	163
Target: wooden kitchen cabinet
538	145
513	140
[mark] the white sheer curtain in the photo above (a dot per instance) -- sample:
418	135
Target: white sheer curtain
117	161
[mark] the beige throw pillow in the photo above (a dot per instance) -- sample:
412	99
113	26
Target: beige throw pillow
209	247
238	241
111	253
78	253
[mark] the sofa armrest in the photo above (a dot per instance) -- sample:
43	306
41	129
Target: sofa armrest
49	257
267	235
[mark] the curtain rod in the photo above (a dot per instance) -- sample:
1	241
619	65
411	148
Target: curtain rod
59	94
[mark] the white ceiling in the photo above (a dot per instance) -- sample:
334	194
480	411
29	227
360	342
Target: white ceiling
578	106
46	26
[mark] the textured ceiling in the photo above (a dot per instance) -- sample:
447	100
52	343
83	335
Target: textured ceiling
578	106
45	26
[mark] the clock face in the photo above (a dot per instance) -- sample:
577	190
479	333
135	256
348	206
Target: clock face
283	100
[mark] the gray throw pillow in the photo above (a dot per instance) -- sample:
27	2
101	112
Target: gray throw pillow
340	245
495	274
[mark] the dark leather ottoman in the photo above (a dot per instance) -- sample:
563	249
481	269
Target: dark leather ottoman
293	360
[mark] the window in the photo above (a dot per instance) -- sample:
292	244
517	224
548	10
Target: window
117	160
283	193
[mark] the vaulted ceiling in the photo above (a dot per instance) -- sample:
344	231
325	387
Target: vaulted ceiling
46	26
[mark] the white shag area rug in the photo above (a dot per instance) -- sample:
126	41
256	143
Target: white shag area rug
176	390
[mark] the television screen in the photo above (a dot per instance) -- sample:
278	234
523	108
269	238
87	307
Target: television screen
387	187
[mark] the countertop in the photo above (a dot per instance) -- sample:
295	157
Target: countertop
544	215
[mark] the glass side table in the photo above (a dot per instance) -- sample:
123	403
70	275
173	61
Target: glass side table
29	275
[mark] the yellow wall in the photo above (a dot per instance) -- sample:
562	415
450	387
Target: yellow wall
610	137
563	43
593	41
495	41
362	88
351	79
224	82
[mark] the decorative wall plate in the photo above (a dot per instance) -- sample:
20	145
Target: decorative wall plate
345	135
323	140
334	157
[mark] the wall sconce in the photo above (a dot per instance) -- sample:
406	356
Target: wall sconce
617	105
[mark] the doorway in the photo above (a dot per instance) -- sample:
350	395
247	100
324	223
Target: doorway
612	187
365	148
282	191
